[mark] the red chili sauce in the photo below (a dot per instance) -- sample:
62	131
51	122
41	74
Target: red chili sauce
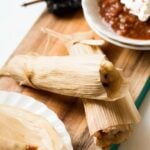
117	16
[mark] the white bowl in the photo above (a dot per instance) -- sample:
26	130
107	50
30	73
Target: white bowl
36	107
129	46
92	16
123	44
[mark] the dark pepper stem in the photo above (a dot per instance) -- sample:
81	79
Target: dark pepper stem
33	2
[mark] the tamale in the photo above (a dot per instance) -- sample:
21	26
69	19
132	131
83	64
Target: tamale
23	130
66	75
7	144
108	122
76	76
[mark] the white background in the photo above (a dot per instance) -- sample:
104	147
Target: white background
15	22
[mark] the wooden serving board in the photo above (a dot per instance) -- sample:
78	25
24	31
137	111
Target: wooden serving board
135	65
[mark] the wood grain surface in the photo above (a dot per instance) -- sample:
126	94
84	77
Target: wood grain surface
135	65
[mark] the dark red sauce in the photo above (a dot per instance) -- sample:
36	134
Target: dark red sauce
117	16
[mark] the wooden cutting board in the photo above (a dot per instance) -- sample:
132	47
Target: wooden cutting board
135	65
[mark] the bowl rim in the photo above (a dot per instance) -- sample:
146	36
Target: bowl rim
124	45
95	23
132	47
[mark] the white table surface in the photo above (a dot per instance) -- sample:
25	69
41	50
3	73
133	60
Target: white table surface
140	139
15	22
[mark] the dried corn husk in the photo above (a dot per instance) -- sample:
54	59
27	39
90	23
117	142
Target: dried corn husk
108	122
23	130
7	144
67	75
76	76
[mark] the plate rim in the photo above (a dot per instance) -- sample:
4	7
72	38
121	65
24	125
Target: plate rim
94	23
7	99
123	45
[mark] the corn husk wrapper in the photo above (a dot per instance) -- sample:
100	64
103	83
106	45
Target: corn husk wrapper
7	144
76	76
108	122
23	130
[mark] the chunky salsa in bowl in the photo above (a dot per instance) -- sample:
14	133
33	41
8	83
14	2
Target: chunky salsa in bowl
112	20
118	17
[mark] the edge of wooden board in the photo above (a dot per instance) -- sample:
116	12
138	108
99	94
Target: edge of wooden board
138	103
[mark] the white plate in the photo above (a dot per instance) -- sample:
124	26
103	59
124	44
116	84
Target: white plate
123	44
30	104
92	16
119	43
